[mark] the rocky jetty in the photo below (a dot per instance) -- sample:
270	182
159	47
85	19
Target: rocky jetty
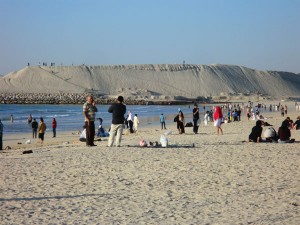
79	98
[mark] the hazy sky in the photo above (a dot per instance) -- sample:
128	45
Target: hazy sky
260	34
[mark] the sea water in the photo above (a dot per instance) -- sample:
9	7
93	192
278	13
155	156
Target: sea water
70	117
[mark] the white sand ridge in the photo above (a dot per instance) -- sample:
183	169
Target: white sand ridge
162	79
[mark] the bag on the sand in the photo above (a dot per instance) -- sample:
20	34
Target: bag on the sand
189	124
82	137
163	141
270	134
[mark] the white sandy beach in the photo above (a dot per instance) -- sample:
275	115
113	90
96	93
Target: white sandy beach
221	180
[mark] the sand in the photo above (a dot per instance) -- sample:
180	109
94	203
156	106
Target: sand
154	81
221	180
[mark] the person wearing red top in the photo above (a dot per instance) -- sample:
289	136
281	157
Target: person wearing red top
54	125
218	116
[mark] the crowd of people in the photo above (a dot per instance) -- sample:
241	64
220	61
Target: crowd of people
226	113
283	135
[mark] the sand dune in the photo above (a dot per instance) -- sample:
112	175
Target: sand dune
168	80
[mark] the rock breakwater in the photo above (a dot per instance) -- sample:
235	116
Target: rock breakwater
78	98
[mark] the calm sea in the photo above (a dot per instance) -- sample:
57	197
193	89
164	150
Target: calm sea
70	117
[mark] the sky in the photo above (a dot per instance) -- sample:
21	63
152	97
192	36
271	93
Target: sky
259	34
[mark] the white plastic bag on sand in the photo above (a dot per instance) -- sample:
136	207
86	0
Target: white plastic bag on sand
82	137
163	141
28	142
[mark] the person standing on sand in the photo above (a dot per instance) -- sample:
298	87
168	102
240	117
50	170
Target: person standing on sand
135	122
54	125
34	126
179	119
89	111
130	122
42	129
195	118
218	116
206	116
118	111
285	109
1	135
162	121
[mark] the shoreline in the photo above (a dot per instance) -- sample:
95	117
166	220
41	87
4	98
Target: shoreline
66	137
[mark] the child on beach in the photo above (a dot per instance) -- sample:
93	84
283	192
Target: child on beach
297	123
162	120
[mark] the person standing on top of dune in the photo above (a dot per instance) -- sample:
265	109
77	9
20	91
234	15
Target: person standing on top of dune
218	116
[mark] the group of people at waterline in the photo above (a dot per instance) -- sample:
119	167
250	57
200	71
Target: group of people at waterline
39	129
216	115
226	113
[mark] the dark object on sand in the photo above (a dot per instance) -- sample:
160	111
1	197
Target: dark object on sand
27	152
189	124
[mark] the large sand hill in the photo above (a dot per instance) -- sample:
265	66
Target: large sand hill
167	80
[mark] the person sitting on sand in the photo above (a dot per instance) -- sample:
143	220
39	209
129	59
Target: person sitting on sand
255	135
284	133
297	123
